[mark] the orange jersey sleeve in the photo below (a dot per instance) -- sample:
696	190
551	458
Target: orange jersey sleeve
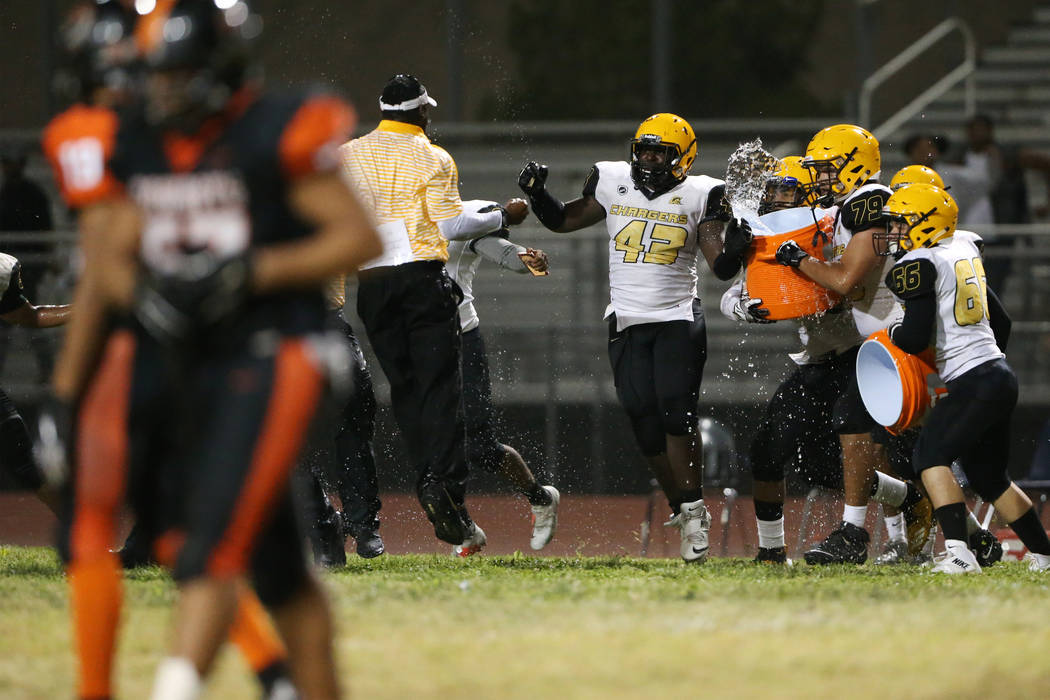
79	143
312	137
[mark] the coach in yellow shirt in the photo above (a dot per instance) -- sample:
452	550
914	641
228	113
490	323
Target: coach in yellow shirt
407	301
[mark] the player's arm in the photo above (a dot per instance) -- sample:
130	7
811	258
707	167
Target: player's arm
476	221
723	240
32	316
914	283
999	320
557	216
510	256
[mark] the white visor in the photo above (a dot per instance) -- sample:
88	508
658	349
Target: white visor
408	104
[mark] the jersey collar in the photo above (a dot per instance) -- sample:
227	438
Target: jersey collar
400	127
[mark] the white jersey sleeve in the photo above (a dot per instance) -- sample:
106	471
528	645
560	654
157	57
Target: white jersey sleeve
652	245
873	305
964	337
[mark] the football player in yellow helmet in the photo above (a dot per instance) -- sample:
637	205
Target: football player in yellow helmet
789	186
914	175
662	152
917	216
660	220
842	158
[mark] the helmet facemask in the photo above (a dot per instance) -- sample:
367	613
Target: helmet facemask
782	192
829	186
655	165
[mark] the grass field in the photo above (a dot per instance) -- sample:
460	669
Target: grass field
533	627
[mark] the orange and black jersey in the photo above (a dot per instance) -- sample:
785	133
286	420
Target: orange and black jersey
226	188
79	143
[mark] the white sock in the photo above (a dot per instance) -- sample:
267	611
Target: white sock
895	527
889	491
855	515
177	679
972	525
771	533
955	544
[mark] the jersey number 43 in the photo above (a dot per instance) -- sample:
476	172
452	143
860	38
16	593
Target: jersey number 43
659	244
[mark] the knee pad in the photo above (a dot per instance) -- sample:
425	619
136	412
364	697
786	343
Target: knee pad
649	432
678	415
764	465
988	483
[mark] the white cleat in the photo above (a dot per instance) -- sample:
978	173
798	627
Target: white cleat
956	559
694	522
545	520
1037	562
473	544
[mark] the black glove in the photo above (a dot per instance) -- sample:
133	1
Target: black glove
494	207
204	292
533	178
738	238
791	254
53	440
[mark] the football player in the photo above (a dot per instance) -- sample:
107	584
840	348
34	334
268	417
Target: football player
845	162
659	218
798	426
98	54
484	450
226	216
939	276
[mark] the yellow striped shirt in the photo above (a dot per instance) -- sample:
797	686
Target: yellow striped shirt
409	184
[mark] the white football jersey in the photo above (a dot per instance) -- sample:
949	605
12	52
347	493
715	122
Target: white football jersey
874	306
964	337
10	284
652	245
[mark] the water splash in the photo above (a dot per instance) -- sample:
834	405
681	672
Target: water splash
750	166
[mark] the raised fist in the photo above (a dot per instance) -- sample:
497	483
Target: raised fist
533	178
515	211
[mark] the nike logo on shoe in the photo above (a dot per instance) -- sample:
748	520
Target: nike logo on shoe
700	550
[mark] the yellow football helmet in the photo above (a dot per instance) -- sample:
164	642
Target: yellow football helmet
789	186
915	175
841	158
916	215
668	134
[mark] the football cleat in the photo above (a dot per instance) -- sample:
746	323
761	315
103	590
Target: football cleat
985	547
894	553
472	544
848	544
694	523
918	517
1037	562
328	543
449	519
369	543
545	520
956	559
772	555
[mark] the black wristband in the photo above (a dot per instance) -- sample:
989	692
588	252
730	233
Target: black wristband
726	266
547	209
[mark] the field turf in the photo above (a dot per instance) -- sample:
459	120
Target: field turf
534	627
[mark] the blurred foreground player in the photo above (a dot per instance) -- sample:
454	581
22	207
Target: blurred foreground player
226	222
658	219
98	52
939	276
406	299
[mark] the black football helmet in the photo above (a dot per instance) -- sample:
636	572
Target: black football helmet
97	49
197	54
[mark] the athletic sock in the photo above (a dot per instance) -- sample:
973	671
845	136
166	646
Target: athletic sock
972	525
1031	532
888	490
771	533
177	679
96	591
895	527
537	495
272	675
952	519
692	496
767	510
254	635
855	515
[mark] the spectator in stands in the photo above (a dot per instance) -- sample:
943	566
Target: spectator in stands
1006	166
969	184
25	207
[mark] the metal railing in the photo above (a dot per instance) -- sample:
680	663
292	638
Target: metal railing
964	71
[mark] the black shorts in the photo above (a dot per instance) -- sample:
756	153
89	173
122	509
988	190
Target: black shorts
850	416
972	424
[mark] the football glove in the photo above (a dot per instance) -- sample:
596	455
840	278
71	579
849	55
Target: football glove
738	238
791	254
533	178
53	439
750	310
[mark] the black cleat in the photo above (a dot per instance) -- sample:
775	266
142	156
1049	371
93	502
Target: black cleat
369	543
986	547
451	522
136	550
328	543
846	545
772	555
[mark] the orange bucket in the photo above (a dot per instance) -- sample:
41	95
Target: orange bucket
785	291
897	388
